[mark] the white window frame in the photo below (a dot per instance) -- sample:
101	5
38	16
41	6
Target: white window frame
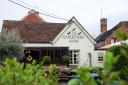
113	40
100	57
74	60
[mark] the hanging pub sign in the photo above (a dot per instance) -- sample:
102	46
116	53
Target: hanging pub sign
73	36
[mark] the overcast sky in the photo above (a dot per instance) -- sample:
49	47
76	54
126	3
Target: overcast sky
87	12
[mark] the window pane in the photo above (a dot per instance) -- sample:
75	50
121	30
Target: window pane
74	54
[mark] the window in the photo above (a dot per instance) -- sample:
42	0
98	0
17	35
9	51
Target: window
102	43
74	55
113	40
100	56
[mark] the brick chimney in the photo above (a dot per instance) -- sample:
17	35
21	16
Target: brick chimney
103	25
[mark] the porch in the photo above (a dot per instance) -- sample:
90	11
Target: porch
55	54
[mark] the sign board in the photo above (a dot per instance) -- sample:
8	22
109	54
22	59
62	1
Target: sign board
74	36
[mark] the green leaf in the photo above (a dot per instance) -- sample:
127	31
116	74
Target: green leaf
121	34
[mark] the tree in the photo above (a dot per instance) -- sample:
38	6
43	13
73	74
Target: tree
116	60
121	34
10	45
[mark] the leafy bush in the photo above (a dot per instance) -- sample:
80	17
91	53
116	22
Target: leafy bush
116	62
46	59
10	45
14	73
53	73
85	78
65	58
75	82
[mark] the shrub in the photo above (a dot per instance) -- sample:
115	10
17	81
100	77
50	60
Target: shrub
65	58
53	73
47	59
116	61
14	73
10	45
85	78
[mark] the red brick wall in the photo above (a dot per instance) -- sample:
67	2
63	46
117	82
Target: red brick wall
123	27
108	40
103	25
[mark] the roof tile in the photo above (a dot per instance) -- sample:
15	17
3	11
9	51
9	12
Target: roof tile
35	32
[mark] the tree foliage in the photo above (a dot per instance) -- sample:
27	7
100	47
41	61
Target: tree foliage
46	59
10	45
121	34
85	78
65	58
13	72
116	61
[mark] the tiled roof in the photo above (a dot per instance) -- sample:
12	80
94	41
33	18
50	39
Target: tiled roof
104	35
33	29
114	44
35	32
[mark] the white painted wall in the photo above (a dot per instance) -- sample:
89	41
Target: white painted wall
97	63
84	45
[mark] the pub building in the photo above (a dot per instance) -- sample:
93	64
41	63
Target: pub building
41	38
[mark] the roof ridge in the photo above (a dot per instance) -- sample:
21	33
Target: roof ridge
33	16
101	37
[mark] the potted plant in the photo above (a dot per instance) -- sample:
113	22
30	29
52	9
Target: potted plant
47	59
66	59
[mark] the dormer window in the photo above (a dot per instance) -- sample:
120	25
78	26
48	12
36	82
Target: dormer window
113	40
